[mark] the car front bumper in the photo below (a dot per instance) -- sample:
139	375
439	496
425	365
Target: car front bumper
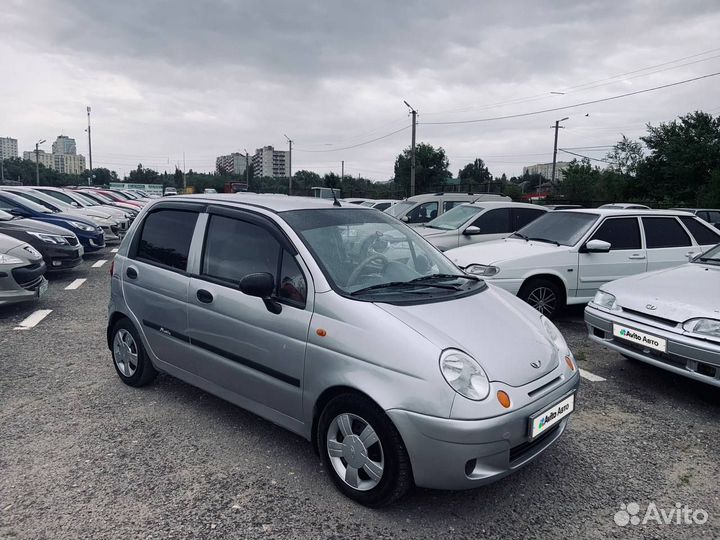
62	257
22	282
463	454
687	356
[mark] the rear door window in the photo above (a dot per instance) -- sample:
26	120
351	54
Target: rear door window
664	232
622	233
423	213
523	216
165	238
702	233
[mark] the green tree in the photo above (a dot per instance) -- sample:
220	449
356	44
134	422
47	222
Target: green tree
579	184
684	154
475	173
431	169
143	175
626	156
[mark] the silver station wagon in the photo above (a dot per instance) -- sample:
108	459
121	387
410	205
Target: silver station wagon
341	324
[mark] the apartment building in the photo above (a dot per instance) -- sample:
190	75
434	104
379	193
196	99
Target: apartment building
271	163
8	148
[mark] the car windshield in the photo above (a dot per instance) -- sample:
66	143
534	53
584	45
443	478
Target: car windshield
26	203
100	197
711	256
368	255
48	202
87	201
454	218
400	208
563	227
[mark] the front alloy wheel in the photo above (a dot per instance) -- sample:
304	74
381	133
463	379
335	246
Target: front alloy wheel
129	357
362	451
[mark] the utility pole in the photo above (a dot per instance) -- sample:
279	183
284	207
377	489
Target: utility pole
247	169
413	112
89	149
557	127
289	166
37	162
184	179
342	170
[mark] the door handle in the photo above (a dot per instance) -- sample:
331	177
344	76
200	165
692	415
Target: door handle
131	272
204	296
636	256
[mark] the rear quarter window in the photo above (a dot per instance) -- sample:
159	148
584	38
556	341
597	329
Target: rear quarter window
664	232
703	234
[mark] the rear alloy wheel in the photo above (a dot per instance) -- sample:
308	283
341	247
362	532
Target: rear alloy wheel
363	452
129	357
543	295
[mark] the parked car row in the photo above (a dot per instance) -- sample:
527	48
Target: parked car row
45	229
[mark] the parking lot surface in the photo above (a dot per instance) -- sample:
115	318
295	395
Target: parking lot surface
84	456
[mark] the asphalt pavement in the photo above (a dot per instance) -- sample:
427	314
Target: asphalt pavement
84	456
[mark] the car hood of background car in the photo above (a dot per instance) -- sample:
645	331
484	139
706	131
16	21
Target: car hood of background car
678	294
492	326
429	231
31	225
498	251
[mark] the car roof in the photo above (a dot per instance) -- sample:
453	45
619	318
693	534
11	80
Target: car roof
503	204
623	212
269	201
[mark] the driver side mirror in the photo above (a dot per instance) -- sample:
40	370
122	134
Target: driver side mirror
405	219
261	285
472	229
598	246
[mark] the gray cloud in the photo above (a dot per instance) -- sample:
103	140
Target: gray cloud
212	77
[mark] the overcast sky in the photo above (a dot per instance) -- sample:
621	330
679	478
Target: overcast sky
212	77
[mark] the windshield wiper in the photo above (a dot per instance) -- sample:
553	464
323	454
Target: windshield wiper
545	240
520	236
708	260
401	285
432	277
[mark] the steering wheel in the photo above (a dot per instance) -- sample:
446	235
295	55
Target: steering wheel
356	273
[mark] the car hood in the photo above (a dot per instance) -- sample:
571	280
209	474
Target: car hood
502	333
678	294
31	225
74	217
429	232
498	251
8	243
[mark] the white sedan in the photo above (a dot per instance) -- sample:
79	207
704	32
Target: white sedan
669	318
563	257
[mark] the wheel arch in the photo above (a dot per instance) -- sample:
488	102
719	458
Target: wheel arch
552	277
112	321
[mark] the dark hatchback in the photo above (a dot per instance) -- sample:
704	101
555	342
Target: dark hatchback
91	237
60	248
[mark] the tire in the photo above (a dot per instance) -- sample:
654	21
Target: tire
129	358
381	470
544	295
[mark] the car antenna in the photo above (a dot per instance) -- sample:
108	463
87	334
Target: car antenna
335	201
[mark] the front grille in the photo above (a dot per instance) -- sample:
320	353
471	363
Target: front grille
671	359
72	240
640	315
29	277
517	452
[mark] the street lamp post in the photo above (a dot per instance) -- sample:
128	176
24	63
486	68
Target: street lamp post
247	169
557	127
289	165
37	162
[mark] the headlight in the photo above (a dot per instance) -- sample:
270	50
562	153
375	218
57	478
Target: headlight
9	259
464	374
482	270
49	238
555	337
705	327
82	226
606	300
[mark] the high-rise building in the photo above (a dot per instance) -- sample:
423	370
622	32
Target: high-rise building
43	158
64	145
69	163
545	169
8	148
271	163
234	163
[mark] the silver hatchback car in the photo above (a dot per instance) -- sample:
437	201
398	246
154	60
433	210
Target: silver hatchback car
343	325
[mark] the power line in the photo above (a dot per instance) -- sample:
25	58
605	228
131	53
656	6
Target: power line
566	107
586	157
355	145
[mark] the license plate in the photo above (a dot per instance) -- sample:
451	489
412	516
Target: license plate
640	338
544	420
42	288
